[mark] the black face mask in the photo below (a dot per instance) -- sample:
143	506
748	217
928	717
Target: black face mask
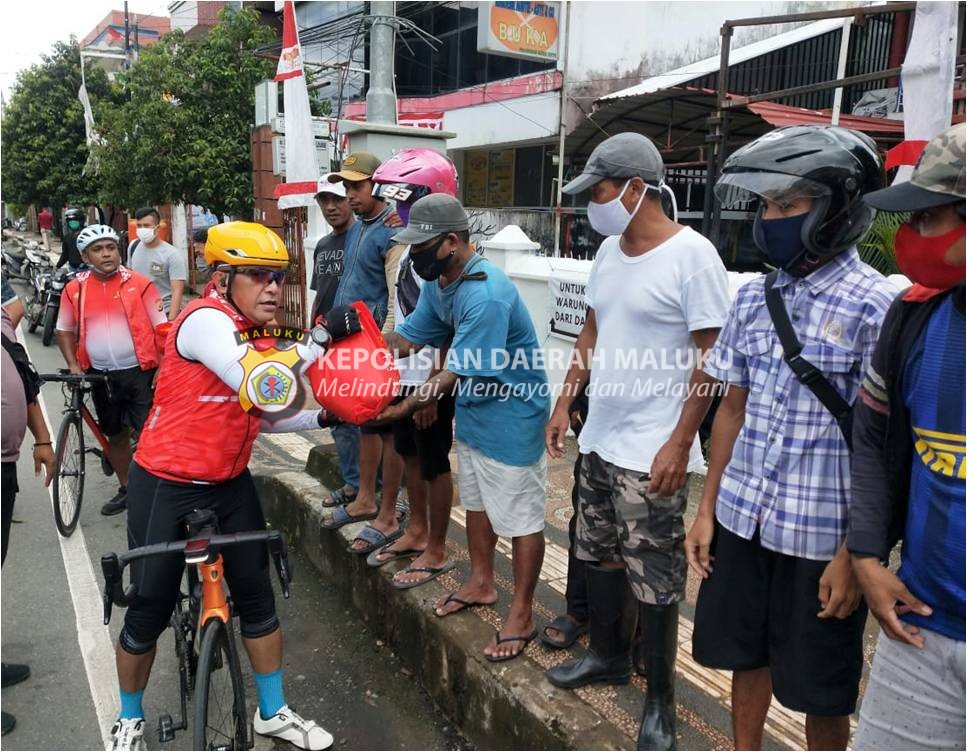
427	265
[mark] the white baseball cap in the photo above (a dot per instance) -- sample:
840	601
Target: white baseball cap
324	186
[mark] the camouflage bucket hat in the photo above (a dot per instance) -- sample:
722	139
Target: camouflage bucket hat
937	179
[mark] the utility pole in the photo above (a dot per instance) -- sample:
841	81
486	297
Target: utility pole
381	97
127	36
565	38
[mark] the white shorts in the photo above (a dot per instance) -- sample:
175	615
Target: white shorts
512	497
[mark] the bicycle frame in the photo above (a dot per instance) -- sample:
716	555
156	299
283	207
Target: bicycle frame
89	420
203	551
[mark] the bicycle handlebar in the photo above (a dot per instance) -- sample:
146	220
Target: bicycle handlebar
66	377
113	564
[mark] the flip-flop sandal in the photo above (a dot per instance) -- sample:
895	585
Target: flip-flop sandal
341	517
452	598
339	498
434	572
526	639
374	561
376	539
568	627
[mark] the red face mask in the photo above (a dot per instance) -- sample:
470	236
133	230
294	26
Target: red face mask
922	259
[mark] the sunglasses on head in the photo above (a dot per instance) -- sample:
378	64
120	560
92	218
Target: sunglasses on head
263	275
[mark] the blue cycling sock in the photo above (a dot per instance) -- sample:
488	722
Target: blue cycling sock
131	704
269	688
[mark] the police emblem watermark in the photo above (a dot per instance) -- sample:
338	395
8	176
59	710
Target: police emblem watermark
271	388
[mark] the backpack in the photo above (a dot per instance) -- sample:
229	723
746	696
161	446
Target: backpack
28	374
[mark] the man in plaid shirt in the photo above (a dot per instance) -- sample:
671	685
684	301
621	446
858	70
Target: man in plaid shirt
778	604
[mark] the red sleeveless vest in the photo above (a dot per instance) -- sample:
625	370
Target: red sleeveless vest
196	430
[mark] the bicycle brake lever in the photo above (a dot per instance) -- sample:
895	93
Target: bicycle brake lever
109	567
280	557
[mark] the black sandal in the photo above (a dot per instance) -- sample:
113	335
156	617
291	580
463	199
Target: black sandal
569	627
339	498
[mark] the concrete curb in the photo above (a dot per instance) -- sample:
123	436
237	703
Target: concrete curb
496	706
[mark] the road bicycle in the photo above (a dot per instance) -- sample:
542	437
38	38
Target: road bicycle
70	450
209	672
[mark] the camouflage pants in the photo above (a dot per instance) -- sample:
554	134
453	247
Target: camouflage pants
619	521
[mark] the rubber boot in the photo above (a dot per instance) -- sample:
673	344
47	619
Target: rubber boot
655	653
612	615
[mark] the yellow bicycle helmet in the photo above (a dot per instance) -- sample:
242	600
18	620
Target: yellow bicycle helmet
244	244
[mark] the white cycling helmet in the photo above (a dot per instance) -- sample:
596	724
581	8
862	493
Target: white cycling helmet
93	233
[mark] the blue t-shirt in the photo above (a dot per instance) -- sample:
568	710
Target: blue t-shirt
933	555
364	265
503	396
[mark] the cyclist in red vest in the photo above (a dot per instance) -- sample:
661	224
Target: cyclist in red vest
194	452
108	324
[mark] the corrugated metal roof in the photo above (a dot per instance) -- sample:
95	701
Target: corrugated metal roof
781	114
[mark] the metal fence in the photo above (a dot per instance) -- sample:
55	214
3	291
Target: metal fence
294	308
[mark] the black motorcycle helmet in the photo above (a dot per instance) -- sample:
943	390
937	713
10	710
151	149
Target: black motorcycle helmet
78	215
832	165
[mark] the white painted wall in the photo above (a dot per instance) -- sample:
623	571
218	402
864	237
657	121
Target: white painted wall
520	119
530	273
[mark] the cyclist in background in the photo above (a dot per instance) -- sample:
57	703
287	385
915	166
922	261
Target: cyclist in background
193	454
107	325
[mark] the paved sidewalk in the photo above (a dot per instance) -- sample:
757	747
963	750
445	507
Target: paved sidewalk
703	695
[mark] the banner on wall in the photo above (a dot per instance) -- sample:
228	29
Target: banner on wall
568	305
431	120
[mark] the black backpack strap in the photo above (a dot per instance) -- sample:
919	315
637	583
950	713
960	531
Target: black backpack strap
810	376
28	374
134	246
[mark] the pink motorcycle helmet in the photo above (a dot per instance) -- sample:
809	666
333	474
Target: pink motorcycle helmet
413	174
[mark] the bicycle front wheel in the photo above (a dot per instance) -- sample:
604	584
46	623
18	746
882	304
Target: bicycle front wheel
221	720
68	481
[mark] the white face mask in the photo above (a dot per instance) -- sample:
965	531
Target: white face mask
612	218
147	234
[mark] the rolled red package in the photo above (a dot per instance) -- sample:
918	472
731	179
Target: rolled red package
356	379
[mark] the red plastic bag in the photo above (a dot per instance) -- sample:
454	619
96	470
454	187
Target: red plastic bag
356	379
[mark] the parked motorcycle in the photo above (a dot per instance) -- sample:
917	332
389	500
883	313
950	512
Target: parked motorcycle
36	302
24	264
52	306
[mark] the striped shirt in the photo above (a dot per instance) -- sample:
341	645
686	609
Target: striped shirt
789	472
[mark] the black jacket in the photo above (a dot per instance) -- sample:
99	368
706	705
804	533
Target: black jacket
882	435
69	253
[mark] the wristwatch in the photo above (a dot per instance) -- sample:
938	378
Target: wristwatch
320	335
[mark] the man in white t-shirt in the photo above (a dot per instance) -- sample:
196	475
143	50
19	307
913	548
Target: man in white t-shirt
657	297
159	261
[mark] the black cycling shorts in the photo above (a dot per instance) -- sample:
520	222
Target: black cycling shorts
431	445
157	510
128	402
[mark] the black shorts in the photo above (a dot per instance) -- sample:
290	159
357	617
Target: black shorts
157	510
129	401
758	609
431	445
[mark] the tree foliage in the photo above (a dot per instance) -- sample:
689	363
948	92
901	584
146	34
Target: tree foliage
182	136
42	134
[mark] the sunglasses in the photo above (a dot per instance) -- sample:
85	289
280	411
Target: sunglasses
262	275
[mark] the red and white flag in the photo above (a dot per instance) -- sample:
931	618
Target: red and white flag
301	167
290	61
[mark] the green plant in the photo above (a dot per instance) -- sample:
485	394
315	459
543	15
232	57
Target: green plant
876	246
